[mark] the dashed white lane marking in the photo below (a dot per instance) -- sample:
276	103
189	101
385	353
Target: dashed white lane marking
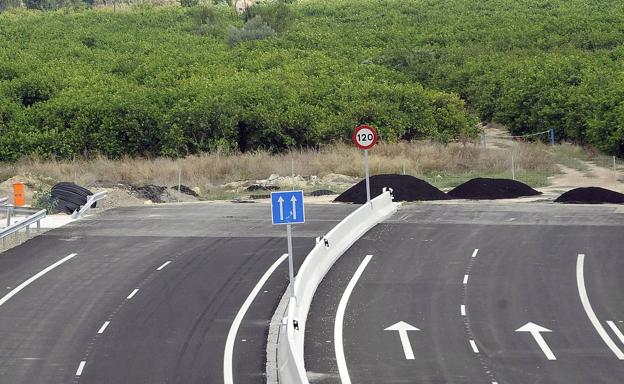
103	327
466	279
462	310
228	373
163	266
474	346
80	368
616	330
338	324
474	254
131	295
16	290
580	279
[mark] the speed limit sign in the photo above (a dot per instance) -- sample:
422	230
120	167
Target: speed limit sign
365	137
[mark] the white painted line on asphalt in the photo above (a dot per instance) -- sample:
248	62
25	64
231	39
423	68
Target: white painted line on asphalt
580	279
474	346
80	368
474	254
466	279
342	306
163	266
131	295
616	330
103	328
16	290
463	310
228	374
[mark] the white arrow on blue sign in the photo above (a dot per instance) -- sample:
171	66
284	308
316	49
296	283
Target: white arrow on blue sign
287	207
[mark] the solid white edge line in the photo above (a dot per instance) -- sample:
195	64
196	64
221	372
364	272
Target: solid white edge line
466	279
338	324
16	290
228	374
474	346
590	311
462	310
163	266
80	368
474	254
131	295
616	330
103	327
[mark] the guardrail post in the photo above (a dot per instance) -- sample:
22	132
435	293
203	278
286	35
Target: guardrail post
552	136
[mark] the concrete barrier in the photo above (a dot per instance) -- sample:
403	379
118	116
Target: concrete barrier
291	367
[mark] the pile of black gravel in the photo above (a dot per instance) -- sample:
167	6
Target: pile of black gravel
405	188
491	189
70	197
591	195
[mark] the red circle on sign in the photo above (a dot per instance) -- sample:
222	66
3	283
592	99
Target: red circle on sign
365	137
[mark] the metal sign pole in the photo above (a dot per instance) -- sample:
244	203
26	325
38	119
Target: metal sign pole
367	179
290	261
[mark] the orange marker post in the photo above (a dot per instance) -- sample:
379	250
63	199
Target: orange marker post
19	196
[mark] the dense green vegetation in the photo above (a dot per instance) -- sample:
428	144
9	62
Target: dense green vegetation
172	80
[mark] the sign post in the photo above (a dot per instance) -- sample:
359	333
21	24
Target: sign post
287	208
365	138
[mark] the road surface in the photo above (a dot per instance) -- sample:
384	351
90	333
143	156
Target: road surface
487	293
147	294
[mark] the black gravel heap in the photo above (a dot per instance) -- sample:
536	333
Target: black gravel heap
591	195
491	189
405	188
69	197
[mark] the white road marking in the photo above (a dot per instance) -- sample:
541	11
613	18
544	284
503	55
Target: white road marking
163	266
338	325
403	327
80	368
474	346
131	295
536	331
228	374
466	279
463	310
474	254
16	290
580	279
103	328
616	330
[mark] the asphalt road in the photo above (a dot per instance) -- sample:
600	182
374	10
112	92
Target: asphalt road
112	311
467	309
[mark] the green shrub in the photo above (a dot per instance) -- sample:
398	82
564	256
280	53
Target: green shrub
254	29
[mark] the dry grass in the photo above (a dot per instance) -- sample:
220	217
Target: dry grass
208	170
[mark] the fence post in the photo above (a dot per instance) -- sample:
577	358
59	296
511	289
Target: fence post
552	136
484	139
615	170
513	167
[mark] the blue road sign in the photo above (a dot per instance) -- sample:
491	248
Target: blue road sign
287	207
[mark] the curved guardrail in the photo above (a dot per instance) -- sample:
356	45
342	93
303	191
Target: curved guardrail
291	367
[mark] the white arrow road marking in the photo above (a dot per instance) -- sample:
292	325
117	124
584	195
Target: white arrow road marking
616	330
342	306
281	206
535	331
580	279
228	373
293	200
402	327
16	290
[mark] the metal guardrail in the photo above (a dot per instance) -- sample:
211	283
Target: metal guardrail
92	199
35	218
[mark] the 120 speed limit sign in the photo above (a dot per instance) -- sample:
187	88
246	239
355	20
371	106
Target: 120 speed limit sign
365	137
